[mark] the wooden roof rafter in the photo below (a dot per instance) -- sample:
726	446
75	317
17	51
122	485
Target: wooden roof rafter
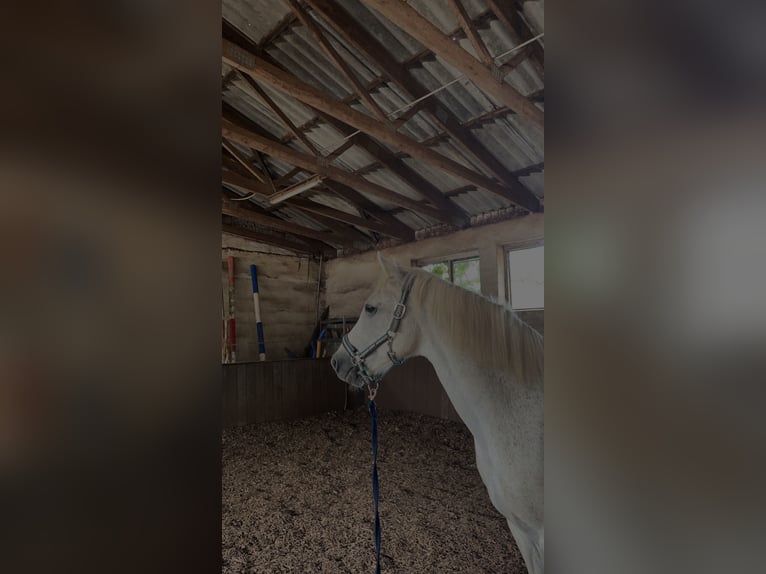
237	210
243	161
424	31
260	69
320	167
291	243
471	32
374	51
337	60
365	206
286	121
322	213
520	32
396	166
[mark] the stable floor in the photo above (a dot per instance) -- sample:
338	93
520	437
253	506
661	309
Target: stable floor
297	498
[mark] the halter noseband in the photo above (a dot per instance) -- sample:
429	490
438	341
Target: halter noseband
358	357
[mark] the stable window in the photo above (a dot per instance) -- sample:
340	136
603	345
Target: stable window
525	277
461	270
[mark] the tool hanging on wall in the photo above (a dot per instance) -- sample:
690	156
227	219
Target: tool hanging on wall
257	306
232	322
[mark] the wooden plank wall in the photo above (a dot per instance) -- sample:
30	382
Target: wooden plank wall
415	387
279	390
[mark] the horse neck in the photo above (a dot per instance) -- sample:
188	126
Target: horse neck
472	388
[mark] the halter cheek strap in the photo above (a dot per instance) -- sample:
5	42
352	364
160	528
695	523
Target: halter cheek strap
358	357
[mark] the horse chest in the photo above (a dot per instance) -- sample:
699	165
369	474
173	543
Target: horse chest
506	480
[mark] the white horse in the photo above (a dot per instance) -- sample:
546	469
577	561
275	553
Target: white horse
490	363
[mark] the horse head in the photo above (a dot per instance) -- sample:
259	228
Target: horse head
385	334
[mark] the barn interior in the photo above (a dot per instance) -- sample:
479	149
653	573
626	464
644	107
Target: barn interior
350	128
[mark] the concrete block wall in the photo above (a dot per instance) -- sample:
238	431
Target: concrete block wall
288	282
349	280
288	289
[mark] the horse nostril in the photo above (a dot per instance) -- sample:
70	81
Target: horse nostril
334	363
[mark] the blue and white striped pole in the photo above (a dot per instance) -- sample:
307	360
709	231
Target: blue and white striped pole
257	305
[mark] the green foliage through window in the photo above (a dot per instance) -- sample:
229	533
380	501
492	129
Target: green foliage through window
462	272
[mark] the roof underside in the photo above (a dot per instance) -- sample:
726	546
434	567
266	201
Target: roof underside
460	156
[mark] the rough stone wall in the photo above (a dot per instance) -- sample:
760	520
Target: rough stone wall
288	288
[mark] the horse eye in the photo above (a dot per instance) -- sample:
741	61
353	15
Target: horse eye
371	309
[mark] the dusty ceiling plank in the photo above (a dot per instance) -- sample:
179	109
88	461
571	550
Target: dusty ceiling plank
310	247
339	62
231	208
251	64
471	32
321	166
410	21
368	45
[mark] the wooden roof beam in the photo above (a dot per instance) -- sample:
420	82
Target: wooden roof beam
520	32
368	45
259	68
285	179
235	209
280	28
321	167
515	60
364	205
323	210
472	33
402	170
287	122
336	59
298	245
317	209
333	224
243	161
411	22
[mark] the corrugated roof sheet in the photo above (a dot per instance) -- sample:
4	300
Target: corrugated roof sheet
512	140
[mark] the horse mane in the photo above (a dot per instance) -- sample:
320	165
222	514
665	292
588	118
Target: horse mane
490	333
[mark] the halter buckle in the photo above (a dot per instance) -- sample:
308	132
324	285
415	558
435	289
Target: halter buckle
393	358
399	310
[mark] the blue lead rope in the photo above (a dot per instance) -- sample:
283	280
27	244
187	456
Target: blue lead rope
375	486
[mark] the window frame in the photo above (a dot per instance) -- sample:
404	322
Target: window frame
507	270
450	260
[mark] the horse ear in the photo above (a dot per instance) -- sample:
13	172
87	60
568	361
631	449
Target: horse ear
388	266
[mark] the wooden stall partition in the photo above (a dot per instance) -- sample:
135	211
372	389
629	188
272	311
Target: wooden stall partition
279	390
415	387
